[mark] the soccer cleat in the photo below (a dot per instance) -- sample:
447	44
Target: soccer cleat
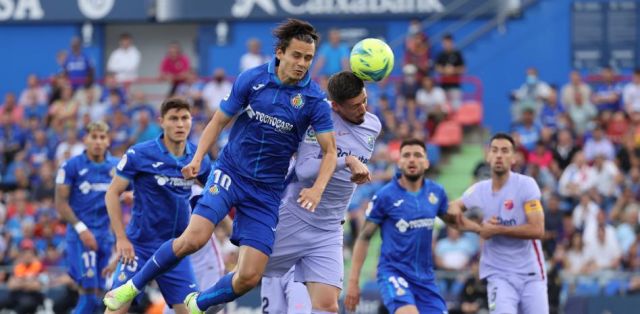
192	305
118	297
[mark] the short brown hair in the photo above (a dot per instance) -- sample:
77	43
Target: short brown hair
174	103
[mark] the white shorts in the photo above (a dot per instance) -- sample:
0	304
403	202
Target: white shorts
284	295
517	294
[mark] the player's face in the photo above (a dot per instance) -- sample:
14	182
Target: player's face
97	143
354	109
295	61
413	162
176	124
501	156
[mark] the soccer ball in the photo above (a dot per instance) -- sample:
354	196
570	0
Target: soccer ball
371	59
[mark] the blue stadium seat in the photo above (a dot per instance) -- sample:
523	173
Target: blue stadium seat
587	288
616	287
433	154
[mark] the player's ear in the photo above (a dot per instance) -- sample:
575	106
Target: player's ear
334	106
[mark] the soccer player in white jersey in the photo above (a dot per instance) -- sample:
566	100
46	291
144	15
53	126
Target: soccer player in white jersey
312	241
511	260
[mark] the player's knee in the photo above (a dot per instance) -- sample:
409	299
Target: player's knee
188	244
248	278
327	305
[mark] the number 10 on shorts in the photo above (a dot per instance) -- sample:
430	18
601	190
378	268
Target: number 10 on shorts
400	284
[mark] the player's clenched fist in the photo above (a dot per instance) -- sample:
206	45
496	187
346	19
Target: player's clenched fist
352	298
191	170
359	171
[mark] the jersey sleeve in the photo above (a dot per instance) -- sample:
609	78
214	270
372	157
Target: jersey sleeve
205	169
531	196
233	103
375	210
126	167
65	174
321	117
443	206
471	198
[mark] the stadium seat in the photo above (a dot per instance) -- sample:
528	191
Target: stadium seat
448	134
616	287
470	113
587	288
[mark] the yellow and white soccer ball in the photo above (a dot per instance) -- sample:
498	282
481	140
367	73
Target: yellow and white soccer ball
371	59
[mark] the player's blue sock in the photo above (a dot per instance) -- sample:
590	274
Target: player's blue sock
161	261
86	304
221	292
320	312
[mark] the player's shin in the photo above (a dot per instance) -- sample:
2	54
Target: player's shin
162	260
221	292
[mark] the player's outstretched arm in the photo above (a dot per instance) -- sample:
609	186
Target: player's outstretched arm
124	248
62	206
360	250
533	229
455	217
209	136
309	198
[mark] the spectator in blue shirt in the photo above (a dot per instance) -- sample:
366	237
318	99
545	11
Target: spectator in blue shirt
333	56
77	65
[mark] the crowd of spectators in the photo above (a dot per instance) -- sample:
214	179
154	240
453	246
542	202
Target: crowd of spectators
580	141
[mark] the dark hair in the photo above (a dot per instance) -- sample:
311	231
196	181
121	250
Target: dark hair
174	103
636	71
125	36
503	136
413	141
343	86
448	36
294	28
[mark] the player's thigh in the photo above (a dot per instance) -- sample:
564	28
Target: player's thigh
253	226
104	253
407	309
83	266
322	295
395	291
289	245
503	296
322	262
177	283
272	294
218	196
428	298
534	298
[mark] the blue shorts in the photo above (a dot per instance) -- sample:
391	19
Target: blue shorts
397	292
174	285
256	206
85	266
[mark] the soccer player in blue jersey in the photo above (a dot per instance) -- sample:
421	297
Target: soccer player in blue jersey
81	184
274	103
405	210
161	207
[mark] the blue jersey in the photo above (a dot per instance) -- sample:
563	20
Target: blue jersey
406	220
88	182
273	120
161	207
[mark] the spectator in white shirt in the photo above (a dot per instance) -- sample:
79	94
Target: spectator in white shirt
585	213
215	90
578	178
431	97
599	144
34	87
125	60
631	94
604	250
253	57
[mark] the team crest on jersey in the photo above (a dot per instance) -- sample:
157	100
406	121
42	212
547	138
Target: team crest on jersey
112	172
297	101
508	204
122	277
433	199
371	142
214	190
90	273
